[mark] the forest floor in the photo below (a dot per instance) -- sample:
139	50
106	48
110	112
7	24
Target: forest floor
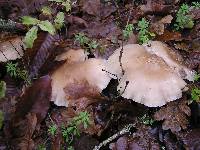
29	120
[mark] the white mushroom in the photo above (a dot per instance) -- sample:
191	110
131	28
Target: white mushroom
151	72
69	73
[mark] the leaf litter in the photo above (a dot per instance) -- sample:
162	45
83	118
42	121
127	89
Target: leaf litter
66	73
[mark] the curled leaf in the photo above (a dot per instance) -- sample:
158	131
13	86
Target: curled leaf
30	37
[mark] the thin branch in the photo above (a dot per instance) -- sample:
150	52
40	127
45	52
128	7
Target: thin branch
115	136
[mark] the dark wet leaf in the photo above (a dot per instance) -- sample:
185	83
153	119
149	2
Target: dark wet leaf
92	7
27	127
174	115
140	140
190	139
43	47
35	100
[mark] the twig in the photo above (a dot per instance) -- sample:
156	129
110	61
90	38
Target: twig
110	139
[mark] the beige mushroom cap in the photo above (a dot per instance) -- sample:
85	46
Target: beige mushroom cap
72	56
89	70
173	59
152	81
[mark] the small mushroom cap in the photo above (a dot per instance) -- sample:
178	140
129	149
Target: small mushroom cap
89	71
72	56
151	81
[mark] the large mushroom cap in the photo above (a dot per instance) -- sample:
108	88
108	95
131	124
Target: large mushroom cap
90	71
151	79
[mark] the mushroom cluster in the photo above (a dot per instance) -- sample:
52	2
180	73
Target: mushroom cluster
154	73
150	74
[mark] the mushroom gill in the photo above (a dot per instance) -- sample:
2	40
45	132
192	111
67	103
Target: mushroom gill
152	73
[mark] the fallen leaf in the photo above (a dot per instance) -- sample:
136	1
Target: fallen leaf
174	115
190	139
35	100
92	7
11	49
169	36
140	140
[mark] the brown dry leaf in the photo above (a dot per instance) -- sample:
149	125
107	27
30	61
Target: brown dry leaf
174	115
142	139
92	7
103	30
193	60
156	6
11	49
25	129
35	100
169	36
190	139
159	26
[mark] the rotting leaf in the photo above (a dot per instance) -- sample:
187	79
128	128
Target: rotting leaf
25	131
174	115
190	139
140	140
35	100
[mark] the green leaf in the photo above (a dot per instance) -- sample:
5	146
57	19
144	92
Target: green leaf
27	20
30	37
46	10
1	119
47	26
59	20
2	89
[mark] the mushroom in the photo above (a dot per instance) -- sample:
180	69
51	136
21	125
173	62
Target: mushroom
153	74
77	71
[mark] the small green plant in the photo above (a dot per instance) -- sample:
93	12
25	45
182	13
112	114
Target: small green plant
146	120
144	35
65	3
195	94
31	35
127	31
196	76
86	42
196	5
2	89
183	20
52	129
73	128
14	71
